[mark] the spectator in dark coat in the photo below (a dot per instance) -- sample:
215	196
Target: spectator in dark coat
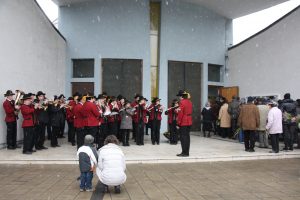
207	119
288	108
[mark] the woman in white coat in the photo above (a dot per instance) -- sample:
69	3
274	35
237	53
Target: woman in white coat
111	164
274	125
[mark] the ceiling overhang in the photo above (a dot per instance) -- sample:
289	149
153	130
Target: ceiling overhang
228	8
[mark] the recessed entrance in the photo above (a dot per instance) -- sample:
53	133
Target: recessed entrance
186	76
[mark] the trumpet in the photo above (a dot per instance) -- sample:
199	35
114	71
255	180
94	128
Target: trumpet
175	107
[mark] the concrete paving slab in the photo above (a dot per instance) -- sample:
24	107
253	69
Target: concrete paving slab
201	150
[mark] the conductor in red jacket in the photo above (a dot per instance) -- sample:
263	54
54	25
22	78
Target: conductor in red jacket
10	120
91	116
184	122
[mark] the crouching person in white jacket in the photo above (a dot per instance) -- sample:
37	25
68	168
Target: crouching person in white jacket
111	164
87	155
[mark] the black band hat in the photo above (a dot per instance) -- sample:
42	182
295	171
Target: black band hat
9	93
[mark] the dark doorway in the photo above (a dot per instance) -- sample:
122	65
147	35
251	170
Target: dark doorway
82	87
186	76
122	76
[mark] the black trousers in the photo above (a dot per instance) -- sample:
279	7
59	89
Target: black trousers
80	134
225	132
54	135
11	137
140	133
249	139
289	131
185	139
113	128
173	133
28	139
275	142
71	132
125	136
147	126
233	127
49	131
102	134
155	131
40	135
134	128
92	130
62	129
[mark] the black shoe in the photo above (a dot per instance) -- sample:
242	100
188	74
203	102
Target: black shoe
53	146
57	145
291	149
73	144
117	189
32	151
18	147
11	148
38	148
247	150
251	150
153	143
27	152
285	149
43	147
182	155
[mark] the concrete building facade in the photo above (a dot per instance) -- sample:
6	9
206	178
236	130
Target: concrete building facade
32	54
268	63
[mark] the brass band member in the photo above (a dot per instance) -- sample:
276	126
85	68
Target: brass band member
140	120
113	117
55	110
134	104
172	121
27	111
70	118
11	119
79	121
62	116
184	122
103	123
155	110
91	115
42	119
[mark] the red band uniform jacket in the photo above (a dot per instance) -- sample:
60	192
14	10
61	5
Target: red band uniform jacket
78	116
69	112
91	114
9	111
28	116
155	112
140	113
184	117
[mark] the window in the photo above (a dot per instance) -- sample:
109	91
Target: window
83	68
214	73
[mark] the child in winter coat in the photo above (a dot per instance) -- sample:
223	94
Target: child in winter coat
87	163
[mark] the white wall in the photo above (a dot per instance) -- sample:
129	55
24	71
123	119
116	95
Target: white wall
269	63
32	54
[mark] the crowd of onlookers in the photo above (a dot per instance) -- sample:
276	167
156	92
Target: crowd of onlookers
254	119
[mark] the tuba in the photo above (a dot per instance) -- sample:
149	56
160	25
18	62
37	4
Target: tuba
19	96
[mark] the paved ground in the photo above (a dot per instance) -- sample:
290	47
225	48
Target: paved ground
263	179
202	150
